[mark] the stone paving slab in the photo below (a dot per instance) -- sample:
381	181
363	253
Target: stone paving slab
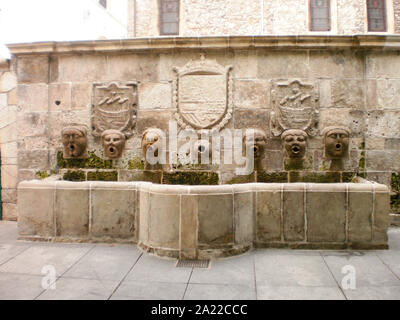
113	271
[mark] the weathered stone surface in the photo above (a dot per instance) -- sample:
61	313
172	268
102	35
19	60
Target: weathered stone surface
360	213
81	95
250	118
326	212
9	195
252	94
188	227
381	216
8	81
215	219
60	96
244	218
33	159
113	210
36	209
155	95
72	209
164	215
274	64
268	214
33	98
9	176
33	69
348	93
153	119
293	212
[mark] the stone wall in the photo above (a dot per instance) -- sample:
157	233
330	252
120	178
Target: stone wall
396	8
357	85
8	140
201	222
258	17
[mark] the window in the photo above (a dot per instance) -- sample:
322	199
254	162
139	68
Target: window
169	17
376	15
103	3
320	15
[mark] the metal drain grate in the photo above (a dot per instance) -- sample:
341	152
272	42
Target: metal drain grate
193	264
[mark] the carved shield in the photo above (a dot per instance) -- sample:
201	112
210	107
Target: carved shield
114	107
203	95
294	107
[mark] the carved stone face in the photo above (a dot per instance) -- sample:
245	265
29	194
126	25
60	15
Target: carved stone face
151	141
74	140
113	142
336	143
295	143
258	144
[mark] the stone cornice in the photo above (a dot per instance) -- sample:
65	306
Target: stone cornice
370	41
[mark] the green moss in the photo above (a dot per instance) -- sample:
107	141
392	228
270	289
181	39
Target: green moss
395	182
348	176
191	178
140	175
74	175
272	177
242	179
315	177
93	162
136	163
294	165
102	176
42	174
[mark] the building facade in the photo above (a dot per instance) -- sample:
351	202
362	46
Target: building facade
258	47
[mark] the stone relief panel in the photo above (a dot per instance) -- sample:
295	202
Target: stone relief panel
113	143
295	106
203	95
74	140
114	107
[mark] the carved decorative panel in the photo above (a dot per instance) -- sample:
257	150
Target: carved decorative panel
203	95
114	107
295	106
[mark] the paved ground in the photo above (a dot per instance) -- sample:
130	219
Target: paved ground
101	271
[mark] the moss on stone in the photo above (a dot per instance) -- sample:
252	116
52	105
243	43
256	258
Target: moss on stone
395	182
42	174
74	175
348	176
315	177
102	176
93	162
294	165
191	178
242	179
136	163
272	177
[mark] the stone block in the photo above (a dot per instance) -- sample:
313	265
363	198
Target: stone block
326	212
153	119
244	218
336	64
293	212
155	95
252	118
215	219
33	159
388	91
139	175
82	68
249	94
8	117
268	212
348	94
81	95
10	211
72	209
144	217
382	65
32	124
188	227
274	64
9	176
33	97
8	81
60	96
26	174
164	220
381	214
113	210
36	209
33	69
378	160
9	195
360	211
245	64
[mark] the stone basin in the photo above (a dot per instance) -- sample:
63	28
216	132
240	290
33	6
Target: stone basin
201	222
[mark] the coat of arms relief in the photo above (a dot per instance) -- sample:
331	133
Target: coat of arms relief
203	95
294	106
